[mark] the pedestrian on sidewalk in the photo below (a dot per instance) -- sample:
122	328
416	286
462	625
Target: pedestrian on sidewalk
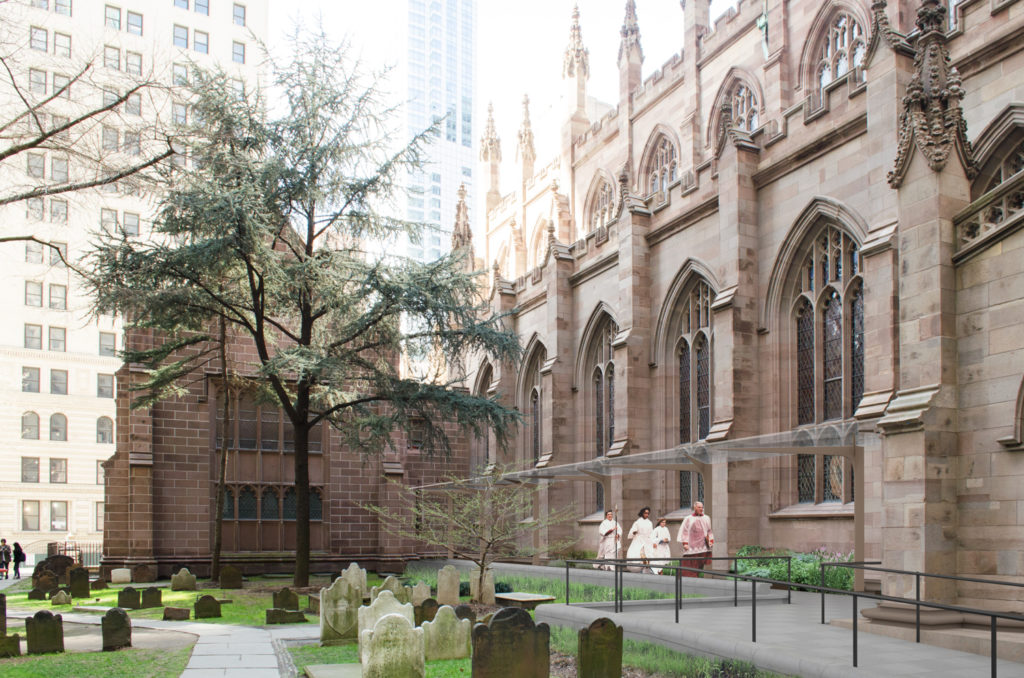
696	538
661	539
19	558
608	540
5	558
641	546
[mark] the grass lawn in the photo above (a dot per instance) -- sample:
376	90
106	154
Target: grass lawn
121	664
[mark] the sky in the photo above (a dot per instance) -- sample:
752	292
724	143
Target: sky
519	51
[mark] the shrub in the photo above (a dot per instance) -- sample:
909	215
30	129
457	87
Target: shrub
805	566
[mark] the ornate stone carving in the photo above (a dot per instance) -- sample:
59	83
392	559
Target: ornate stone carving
630	33
882	30
490	144
728	132
577	57
932	119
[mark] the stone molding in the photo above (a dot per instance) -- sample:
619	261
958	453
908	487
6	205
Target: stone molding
905	413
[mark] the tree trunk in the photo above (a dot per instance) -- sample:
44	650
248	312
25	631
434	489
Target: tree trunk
218	524
302	505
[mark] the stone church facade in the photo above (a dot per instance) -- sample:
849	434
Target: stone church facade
803	229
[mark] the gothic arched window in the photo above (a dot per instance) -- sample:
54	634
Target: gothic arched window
662	169
1012	202
744	108
602	205
228	512
842	49
694	356
247	504
481	455
604	386
269	506
531	400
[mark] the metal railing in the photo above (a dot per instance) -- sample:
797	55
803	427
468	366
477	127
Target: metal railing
87	554
620	564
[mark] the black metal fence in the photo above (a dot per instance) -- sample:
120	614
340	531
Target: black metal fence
87	554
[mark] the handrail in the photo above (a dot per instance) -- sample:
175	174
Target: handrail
620	563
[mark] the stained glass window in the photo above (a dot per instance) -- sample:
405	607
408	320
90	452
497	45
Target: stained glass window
247	504
535	423
599	412
700	487
288	504
805	478
805	364
599	497
833	481
744	108
610	379
316	506
703	388
832	346
603	207
685	488
662	170
856	349
695	363
269	509
684	394
229	505
843	48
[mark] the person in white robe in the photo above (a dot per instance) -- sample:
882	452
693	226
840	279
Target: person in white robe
662	540
641	546
609	533
696	539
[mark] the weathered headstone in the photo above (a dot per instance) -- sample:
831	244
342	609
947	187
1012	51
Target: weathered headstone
356	576
314	603
385	603
10	646
120	575
402	593
339	612
420	592
392	649
465	612
277	615
183	581
511	645
57	565
78	582
599	652
486	619
447	636
143	574
207	607
152	597
117	629
425	612
62	589
128	598
37	594
286	599
448	586
60	598
487	596
45	581
44	632
230	577
176	613
99	584
3	615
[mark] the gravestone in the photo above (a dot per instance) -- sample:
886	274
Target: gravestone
339	612
356	576
286	599
10	646
385	603
402	593
152	597
128	599
44	632
393	649
314	603
117	629
207	607
425	612
277	615
420	592
98	584
45	581
486	619
176	613
599	650
60	598
465	612
447	636
37	594
3	615
57	565
448	586
143	574
78	582
511	645
487	597
62	589
183	581
120	575
230	577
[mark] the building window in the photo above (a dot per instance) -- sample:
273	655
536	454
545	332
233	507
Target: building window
687	479
59	297
238	52
661	169
58	254
181	36
62	7
30	379
34	210
203	7
35	165
101	475
30	516
842	49
41	4
133	63
57	339
59	471
38	39
30	469
132	143
59	382
744	108
58	516
316	505
181	3
105	431
104	386
30	426
229	504
133	104
602	206
179	113
99	516
131	223
179	75
535	424
201	42
247	509
828	321
110	138
62	45
288	504
694	359
134	23
37	81
112	58
112	17
805	478
603	386
269	506
59	169
58	211
108	344
61	87
238	14
33	252
33	293
33	336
